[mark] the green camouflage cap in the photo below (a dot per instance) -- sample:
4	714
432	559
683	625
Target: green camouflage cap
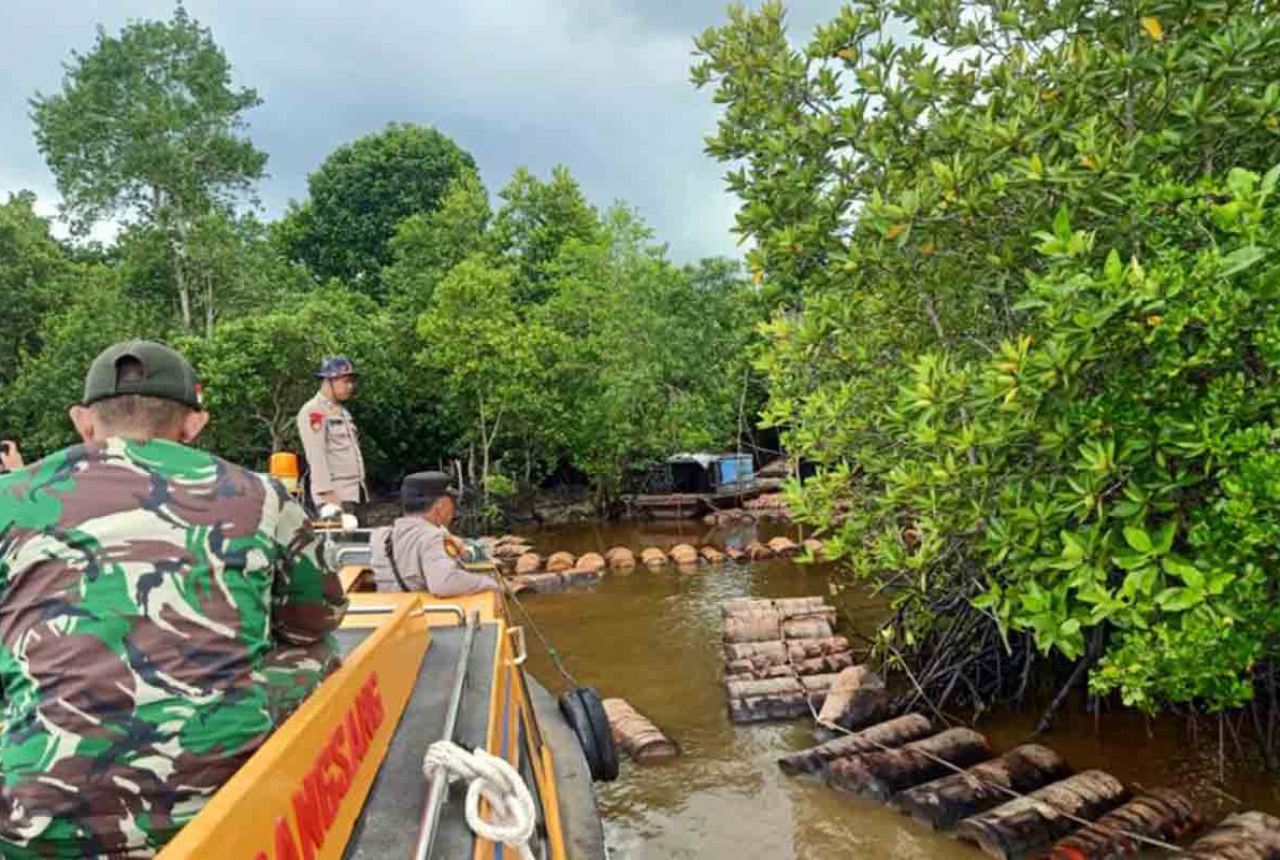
165	373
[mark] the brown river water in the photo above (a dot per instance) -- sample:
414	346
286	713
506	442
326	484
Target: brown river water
652	638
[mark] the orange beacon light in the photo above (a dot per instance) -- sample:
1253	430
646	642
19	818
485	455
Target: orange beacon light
284	468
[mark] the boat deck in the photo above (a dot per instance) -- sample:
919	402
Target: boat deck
389	823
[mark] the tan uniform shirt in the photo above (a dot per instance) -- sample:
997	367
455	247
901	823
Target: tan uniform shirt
423	560
332	448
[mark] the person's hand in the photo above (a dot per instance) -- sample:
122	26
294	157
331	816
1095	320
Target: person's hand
10	456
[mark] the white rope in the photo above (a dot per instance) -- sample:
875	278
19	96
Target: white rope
494	779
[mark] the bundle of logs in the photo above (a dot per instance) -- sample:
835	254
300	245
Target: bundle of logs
517	558
781	656
1022	803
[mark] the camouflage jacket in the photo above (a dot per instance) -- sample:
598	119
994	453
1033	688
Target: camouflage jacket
142	584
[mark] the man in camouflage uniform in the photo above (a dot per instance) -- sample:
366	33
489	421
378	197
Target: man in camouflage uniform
417	553
329	438
148	590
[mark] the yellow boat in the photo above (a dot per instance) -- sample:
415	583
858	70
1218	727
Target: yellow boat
344	777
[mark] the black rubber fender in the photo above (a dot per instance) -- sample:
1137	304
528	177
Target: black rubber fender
603	733
575	714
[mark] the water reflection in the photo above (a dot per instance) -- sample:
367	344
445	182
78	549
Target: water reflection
652	637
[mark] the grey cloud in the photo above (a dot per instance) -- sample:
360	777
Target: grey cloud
598	85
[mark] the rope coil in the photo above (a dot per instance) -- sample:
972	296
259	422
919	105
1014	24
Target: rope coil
512	808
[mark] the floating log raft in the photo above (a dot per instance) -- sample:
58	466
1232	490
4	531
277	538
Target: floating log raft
1036	821
780	644
891	733
754	701
1161	814
942	803
1243	836
634	733
880	774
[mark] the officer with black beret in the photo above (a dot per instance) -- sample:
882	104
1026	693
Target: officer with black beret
417	553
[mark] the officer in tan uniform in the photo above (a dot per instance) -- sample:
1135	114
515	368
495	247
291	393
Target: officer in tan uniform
330	440
417	552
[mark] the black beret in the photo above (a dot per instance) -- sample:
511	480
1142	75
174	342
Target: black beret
421	488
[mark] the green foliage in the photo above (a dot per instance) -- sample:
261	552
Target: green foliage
535	222
34	273
654	355
426	246
1055	420
95	312
361	194
259	369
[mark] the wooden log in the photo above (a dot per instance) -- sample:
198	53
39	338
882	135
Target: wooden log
784	546
511	550
1161	814
559	562
579	576
620	557
776	698
591	561
803	606
653	557
505	539
942	803
640	738
804	649
773	653
880	774
758	551
737	556
760	667
540	582
741	605
832	664
1243	836
682	553
1035	821
890	733
530	562
856	700
711	555
760	628
809	627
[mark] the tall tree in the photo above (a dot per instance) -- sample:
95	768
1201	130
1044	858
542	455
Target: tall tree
148	127
535	221
362	192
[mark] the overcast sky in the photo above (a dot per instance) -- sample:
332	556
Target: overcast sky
601	86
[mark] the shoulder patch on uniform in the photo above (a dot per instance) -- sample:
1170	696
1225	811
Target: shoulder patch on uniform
452	547
316	420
